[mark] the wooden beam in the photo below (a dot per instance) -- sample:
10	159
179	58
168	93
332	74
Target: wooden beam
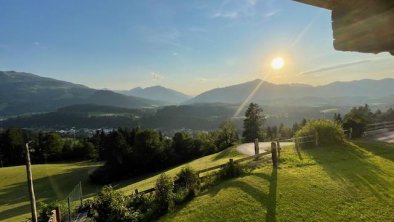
327	4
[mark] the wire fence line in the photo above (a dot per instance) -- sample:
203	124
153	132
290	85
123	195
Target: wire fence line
72	202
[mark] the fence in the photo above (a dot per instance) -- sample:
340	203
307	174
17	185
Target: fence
378	128
70	204
275	151
199	173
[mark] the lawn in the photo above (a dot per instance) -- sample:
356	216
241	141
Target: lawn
51	181
352	182
55	181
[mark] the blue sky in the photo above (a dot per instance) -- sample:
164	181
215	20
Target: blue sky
188	45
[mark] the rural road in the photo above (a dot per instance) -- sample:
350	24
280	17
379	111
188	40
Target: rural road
248	148
387	137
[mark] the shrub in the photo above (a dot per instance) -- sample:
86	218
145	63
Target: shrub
186	178
186	184
231	170
45	210
144	204
329	132
164	196
111	205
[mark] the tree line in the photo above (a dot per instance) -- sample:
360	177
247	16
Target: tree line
44	147
133	152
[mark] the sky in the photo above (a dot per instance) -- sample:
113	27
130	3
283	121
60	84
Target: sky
187	45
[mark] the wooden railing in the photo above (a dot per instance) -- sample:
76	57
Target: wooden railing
220	166
381	125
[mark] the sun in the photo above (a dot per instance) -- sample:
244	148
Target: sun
277	63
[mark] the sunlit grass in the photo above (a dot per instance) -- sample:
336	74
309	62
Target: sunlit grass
353	182
55	181
51	181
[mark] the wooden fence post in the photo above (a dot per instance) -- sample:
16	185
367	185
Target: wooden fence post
136	191
317	138
350	133
256	147
80	190
278	147
274	155
57	210
69	208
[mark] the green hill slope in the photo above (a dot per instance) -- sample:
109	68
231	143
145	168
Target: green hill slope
55	181
349	183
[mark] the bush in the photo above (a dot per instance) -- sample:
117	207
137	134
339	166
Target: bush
111	205
186	178
143	204
186	184
45	210
231	170
164	196
329	132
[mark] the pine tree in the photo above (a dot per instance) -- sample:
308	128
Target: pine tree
253	123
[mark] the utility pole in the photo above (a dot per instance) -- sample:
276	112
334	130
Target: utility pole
30	184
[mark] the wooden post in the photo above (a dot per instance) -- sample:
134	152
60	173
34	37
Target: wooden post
80	190
231	162
256	147
57	210
278	147
317	138
274	155
296	143
69	208
30	185
136	191
350	133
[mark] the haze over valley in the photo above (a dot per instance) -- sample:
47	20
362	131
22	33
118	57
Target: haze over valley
44	103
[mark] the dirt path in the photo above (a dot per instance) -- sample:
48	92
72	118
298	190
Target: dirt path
248	148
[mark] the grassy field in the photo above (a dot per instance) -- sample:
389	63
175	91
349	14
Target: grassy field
51	181
353	182
55	181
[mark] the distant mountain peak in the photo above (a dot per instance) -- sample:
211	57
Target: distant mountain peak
25	93
157	92
285	94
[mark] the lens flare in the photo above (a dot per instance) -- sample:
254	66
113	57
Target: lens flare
277	63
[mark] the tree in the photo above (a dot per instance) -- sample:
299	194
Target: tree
338	118
227	135
303	123
295	127
52	146
357	119
269	133
253	122
12	146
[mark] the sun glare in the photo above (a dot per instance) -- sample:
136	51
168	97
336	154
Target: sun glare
277	63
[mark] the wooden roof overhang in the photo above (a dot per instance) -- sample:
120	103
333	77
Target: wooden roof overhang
360	25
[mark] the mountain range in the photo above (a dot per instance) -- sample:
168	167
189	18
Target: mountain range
25	93
338	93
157	93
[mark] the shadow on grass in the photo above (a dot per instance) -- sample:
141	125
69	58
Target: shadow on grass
47	189
350	164
297	150
271	200
267	201
378	148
